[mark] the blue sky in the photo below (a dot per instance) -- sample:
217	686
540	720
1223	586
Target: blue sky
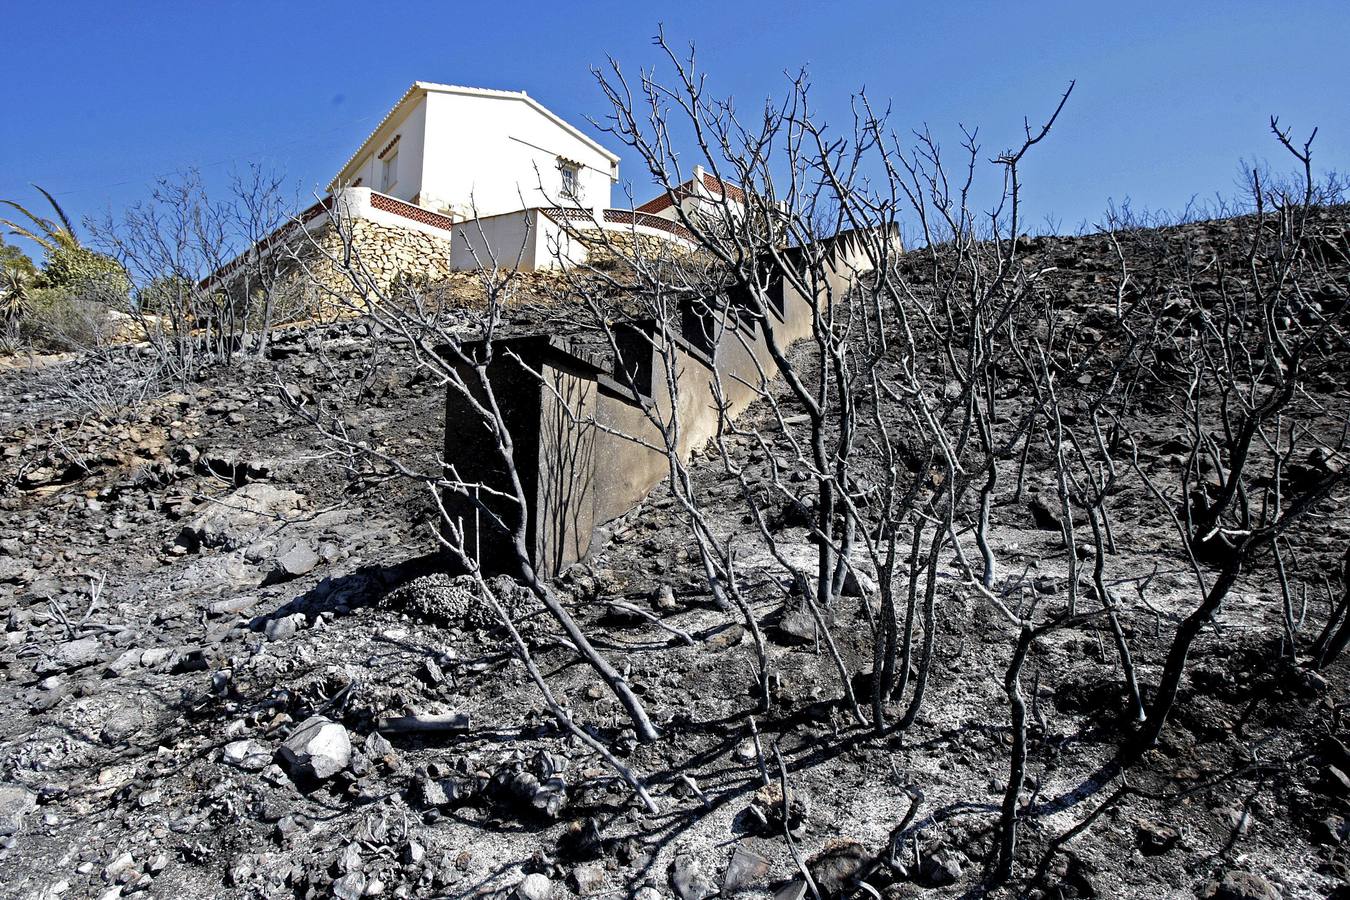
100	98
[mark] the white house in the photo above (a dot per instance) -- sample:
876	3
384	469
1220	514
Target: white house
462	151
509	181
456	177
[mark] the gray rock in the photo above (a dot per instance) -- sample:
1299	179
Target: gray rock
534	887
378	746
70	655
16	801
284	627
350	887
1336	829
241	517
349	859
130	659
837	865
318	747
457	601
664	599
248	755
428	792
1042	516
240	870
1241	886
859	584
938	869
298	559
766	809
1335	782
121	869
727	637
156	657
550	796
587	878
746	870
687	879
123	721
1155	838
15	571
796	624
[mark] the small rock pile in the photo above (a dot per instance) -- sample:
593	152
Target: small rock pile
457	601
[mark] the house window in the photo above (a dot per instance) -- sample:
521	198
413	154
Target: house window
389	176
571	179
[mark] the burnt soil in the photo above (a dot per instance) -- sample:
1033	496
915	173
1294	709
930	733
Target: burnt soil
141	641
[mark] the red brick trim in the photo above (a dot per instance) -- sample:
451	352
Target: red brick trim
409	211
622	217
635	217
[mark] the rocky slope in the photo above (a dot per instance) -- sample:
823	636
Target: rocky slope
232	669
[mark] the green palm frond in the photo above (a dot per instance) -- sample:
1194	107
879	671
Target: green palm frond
43	231
49	244
60	213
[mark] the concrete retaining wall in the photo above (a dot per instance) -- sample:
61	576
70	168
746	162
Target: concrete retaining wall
577	473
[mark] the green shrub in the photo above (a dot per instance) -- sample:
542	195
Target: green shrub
87	273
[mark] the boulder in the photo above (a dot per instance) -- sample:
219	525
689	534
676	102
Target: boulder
240	517
318	748
70	655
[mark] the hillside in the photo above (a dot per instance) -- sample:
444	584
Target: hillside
190	582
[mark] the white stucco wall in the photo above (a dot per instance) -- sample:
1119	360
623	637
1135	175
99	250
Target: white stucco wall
500	237
466	151
491	155
409	126
535	240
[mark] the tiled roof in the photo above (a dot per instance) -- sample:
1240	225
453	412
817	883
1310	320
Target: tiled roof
711	182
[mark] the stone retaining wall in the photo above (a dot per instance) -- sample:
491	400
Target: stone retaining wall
388	253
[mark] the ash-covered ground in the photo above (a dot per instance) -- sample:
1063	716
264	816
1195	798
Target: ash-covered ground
215	621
